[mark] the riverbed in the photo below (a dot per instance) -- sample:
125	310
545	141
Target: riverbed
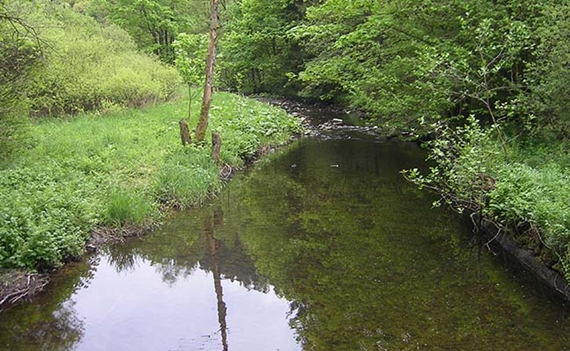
321	246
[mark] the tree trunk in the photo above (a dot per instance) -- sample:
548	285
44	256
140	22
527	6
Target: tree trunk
202	125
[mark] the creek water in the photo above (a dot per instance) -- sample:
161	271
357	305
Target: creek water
321	246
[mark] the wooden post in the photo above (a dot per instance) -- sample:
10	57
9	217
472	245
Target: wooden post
184	132
216	147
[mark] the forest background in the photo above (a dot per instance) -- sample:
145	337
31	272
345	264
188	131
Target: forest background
484	82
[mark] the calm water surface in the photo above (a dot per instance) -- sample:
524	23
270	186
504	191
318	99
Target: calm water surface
322	246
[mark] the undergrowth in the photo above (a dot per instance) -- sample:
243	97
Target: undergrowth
118	170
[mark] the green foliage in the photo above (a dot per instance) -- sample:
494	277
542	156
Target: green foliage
46	214
116	170
91	67
155	24
19	57
465	161
190	53
548	103
187	178
407	60
247	125
128	208
256	54
535	195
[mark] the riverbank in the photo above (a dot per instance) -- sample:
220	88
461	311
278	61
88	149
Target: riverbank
520	187
527	259
319	119
93	175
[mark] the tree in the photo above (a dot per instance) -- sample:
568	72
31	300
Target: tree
548	98
202	124
155	24
190	50
258	52
20	54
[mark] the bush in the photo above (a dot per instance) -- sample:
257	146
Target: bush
465	158
46	214
91	67
20	57
540	196
246	124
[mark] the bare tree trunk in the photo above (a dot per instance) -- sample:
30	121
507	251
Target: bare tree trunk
202	125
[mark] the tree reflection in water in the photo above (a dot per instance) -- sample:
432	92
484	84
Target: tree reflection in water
209	228
370	265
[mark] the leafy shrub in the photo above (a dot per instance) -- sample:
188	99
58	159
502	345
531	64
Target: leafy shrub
540	196
91	67
245	125
45	216
20	57
465	160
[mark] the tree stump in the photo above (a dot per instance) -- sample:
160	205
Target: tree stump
184	132
216	147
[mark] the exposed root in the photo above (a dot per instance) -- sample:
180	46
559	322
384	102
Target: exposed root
16	285
107	235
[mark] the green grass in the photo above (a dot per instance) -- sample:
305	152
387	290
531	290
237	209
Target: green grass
117	170
534	188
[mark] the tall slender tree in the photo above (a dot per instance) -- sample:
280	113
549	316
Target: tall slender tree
202	125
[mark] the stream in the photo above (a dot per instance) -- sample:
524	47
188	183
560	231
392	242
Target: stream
321	246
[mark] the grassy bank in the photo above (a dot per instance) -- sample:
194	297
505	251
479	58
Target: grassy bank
118	170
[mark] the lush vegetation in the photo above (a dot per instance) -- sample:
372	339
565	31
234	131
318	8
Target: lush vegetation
56	61
154	24
74	158
117	170
405	61
92	67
